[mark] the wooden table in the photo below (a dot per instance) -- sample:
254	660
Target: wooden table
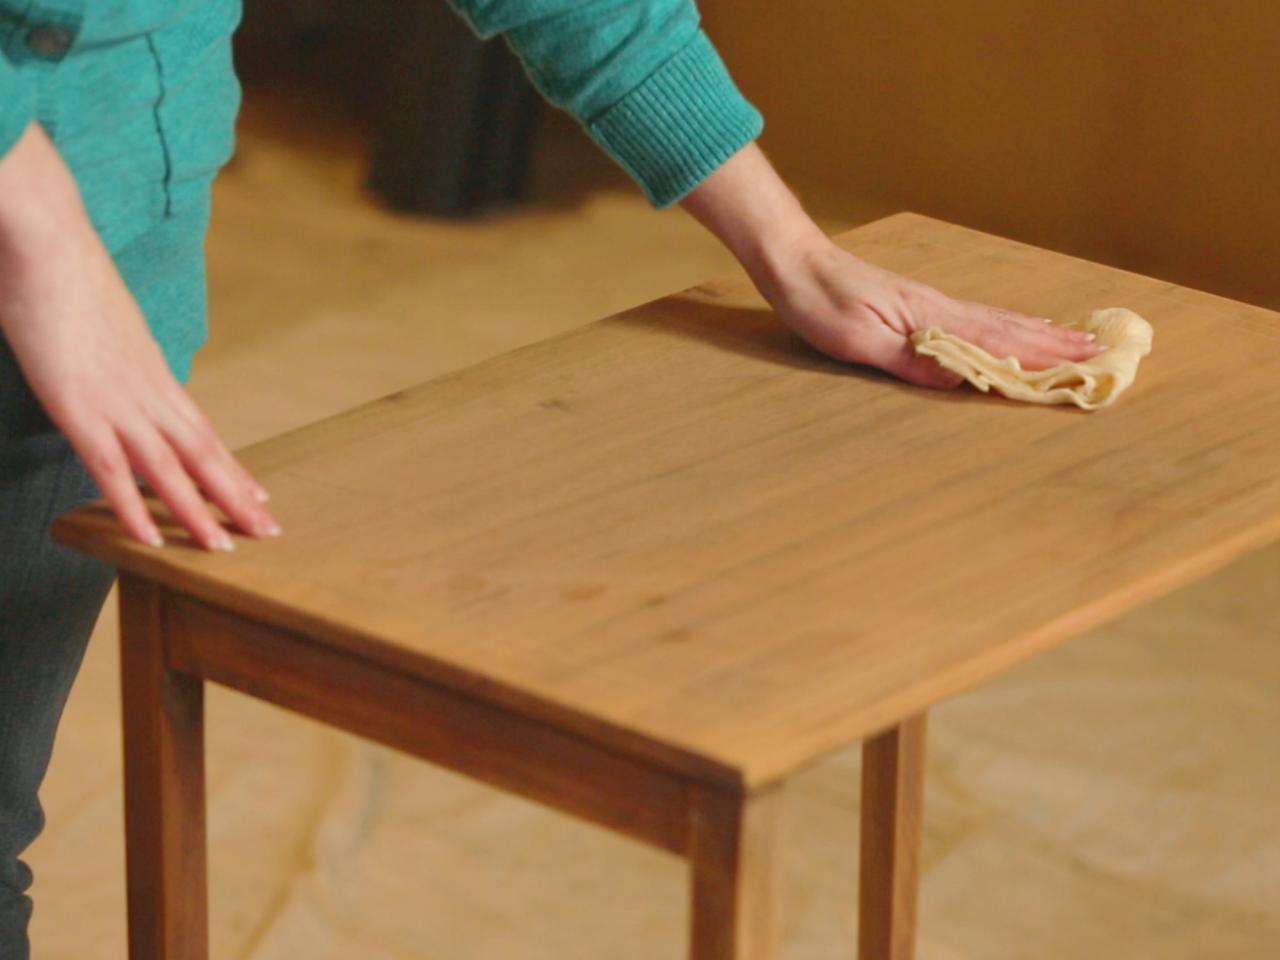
647	571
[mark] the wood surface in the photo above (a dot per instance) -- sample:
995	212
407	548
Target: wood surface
163	786
893	765
735	865
681	533
505	750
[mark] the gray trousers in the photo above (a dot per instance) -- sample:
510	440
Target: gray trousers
50	598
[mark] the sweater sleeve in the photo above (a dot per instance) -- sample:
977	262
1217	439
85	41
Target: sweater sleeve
17	105
640	75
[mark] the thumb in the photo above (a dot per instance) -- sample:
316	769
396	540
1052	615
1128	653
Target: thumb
893	353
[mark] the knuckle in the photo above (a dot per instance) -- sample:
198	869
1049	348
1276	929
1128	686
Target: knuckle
170	483
199	422
187	408
103	460
204	442
1005	323
105	464
924	298
183	421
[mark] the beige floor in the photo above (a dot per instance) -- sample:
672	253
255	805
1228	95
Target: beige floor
1118	798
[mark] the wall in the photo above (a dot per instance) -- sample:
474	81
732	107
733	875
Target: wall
1140	133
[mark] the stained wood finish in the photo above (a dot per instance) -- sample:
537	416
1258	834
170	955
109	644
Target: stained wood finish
735	854
164	786
503	749
892	820
683	535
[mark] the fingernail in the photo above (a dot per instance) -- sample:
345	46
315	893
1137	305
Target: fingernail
262	495
1091	336
272	531
1046	320
154	539
226	544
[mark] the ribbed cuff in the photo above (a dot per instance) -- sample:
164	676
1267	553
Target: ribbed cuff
17	105
679	125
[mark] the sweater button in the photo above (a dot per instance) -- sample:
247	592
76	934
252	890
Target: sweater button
49	41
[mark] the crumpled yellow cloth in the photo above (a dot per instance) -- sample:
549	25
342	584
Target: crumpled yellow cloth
1089	385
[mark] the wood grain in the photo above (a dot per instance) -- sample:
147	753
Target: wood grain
893	765
505	750
735	861
163	786
682	534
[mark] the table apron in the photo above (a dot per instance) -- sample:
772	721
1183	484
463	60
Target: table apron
487	743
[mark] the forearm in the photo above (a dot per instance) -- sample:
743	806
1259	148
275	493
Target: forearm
40	209
43	228
748	207
87	355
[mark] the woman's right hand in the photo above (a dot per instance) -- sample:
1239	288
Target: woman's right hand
844	306
861	313
88	356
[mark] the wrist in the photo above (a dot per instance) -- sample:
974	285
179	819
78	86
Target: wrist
785	258
748	207
41	215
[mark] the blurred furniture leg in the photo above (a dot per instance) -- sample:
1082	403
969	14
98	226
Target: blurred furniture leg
892	815
736	872
164	786
455	123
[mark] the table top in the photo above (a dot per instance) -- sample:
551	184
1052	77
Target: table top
682	533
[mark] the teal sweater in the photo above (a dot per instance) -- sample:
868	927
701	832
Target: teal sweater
140	98
640	75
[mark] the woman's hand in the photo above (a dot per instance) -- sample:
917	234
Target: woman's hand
855	311
89	358
847	308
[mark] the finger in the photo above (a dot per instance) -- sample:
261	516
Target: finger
880	347
196	420
1040	331
220	476
1041	326
156	462
104	459
1054	337
187	427
1003	334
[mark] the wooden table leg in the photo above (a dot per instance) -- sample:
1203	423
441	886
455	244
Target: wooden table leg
164	786
736	868
892	815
